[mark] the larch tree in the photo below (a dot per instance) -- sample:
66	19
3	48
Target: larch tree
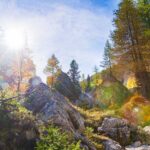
23	69
128	41
52	69
106	63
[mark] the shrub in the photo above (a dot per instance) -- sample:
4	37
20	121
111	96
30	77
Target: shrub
53	139
88	132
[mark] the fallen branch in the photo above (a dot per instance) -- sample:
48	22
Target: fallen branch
11	98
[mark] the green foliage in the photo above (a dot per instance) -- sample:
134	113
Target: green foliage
114	94
88	132
73	72
15	120
144	9
54	139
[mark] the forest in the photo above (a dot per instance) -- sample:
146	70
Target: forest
108	109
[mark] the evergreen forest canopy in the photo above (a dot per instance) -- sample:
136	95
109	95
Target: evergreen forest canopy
70	110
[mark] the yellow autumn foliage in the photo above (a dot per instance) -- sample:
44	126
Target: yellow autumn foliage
131	83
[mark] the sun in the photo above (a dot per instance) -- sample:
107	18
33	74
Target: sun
14	38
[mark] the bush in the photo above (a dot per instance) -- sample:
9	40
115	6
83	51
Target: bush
18	128
88	132
53	139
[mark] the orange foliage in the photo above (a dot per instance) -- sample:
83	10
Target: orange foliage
23	69
50	80
137	110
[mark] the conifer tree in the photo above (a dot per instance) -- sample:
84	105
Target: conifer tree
106	63
74	73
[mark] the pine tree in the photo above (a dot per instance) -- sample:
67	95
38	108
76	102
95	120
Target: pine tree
74	73
106	63
128	43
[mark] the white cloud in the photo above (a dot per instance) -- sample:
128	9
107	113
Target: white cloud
67	31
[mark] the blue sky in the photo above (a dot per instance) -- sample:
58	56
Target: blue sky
72	29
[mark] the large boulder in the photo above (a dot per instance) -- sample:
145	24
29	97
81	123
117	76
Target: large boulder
73	92
66	87
51	106
119	130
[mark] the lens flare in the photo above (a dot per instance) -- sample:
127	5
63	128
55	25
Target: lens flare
14	38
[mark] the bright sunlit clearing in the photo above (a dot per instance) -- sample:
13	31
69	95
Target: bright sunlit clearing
14	38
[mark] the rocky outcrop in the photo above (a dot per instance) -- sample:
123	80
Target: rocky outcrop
119	130
52	108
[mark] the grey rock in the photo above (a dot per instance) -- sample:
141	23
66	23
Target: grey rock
137	144
73	92
143	147
66	87
147	129
51	106
118	129
112	145
85	100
